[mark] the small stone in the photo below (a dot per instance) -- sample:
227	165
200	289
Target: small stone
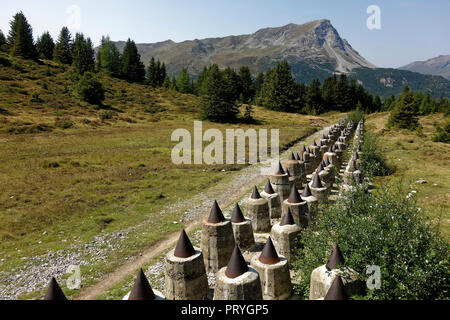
421	181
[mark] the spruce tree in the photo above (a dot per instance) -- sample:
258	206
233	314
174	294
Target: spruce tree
377	104
166	83
173	84
45	46
131	67
21	38
82	54
2	41
313	98
405	113
278	90
329	92
246	85
217	102
162	75
183	82
63	47
108	58
151	72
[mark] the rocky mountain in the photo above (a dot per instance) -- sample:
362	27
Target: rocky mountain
313	50
439	66
315	44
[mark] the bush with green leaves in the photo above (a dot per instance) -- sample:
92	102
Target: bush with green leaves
90	89
443	133
386	229
373	161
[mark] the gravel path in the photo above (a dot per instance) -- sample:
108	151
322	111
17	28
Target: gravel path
36	272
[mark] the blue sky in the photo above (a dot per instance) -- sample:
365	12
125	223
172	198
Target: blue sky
410	29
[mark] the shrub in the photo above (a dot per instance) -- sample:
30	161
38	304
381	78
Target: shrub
373	161
442	133
384	229
90	89
356	116
35	98
64	123
405	113
107	114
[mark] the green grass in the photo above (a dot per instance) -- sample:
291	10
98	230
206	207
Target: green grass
415	156
64	184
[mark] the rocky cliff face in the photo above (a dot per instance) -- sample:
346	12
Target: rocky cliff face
315	45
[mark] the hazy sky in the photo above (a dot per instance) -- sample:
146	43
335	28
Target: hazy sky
410	29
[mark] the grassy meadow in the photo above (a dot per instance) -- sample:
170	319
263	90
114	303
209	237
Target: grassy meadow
415	156
71	171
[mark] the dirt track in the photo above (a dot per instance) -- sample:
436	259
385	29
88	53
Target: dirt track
245	179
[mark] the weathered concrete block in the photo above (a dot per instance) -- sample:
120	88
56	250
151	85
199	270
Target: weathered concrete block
258	212
217	244
244	287
299	212
321	194
274	204
284	238
321	280
280	185
185	278
243	235
275	278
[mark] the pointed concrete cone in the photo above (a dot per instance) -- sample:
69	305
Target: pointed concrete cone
320	168
316	182
273	198
255	193
54	291
273	271
237	216
237	281
141	289
337	290
268	189
306	191
335	259
294	196
216	215
298	157
279	170
184	247
269	253
237	265
292	157
315	144
304	148
288	219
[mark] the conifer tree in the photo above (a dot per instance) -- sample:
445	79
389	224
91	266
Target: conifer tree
21	38
2	41
108	58
45	46
313	97
183	82
377	104
162	75
278	90
63	48
82	54
217	102
166	83
246	85
173	84
232	78
151	72
405	113
131	67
